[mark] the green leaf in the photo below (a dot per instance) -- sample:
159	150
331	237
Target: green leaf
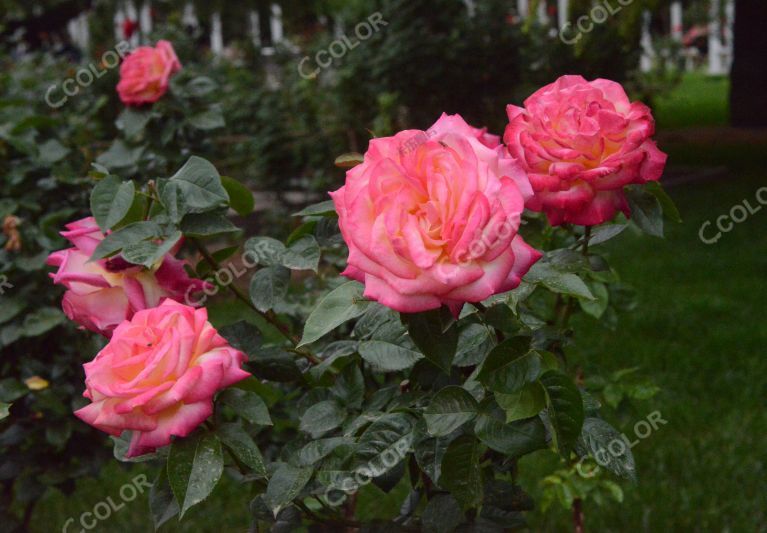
248	405
285	484
461	474
275	364
390	435
604	233
670	210
200	86
265	251
558	281
303	254
525	403
206	225
429	452
4	410
515	439
322	417
12	389
120	155
318	449
598	305
52	151
200	186
240	197
322	209
195	465
340	305
111	200
333	352
41	321
210	119
349	160
442	514
236	439
132	121
147	253
10	308
646	211
565	409
510	365
349	387
269	286
126	236
242	335
434	334
162	504
450	408
388	357
598	439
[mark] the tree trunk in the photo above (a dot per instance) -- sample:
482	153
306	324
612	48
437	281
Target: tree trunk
749	68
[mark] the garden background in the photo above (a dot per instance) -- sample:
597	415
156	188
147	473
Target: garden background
694	338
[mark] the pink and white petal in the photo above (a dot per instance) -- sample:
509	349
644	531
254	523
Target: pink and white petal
178	421
383	293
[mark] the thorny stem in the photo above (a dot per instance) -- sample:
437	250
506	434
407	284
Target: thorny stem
578	515
586	239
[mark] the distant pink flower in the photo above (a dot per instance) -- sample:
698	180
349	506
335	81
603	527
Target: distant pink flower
158	375
581	142
432	219
145	73
101	294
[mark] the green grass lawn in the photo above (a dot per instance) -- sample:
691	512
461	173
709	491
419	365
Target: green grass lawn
699	100
696	333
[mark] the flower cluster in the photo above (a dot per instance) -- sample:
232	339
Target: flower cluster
164	362
431	218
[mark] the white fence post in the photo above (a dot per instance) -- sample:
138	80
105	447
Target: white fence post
715	63
522	8
563	13
145	19
677	27
276	24
648	52
216	34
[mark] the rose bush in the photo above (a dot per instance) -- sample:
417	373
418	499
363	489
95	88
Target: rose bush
158	375
102	294
437	408
436	223
580	143
145	73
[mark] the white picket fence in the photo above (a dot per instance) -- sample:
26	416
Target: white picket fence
720	30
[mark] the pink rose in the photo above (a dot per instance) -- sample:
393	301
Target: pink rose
581	142
434	223
145	73
101	294
157	376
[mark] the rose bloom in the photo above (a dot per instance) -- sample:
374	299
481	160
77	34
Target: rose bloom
101	294
581	142
434	222
145	73
158	375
